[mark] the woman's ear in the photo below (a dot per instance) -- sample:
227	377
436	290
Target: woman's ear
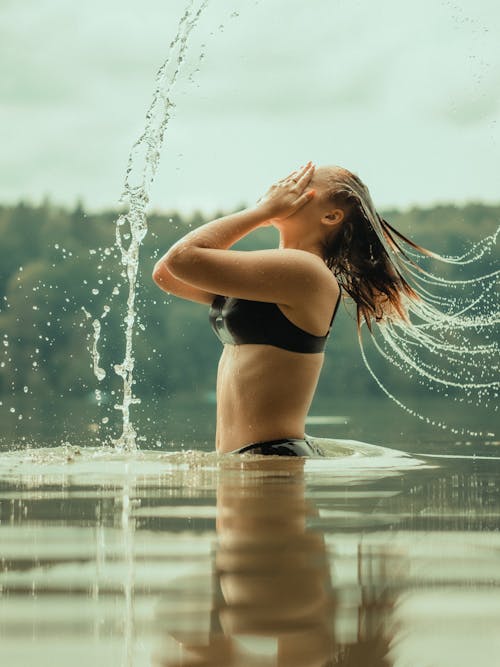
333	217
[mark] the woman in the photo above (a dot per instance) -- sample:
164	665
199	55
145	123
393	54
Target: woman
278	305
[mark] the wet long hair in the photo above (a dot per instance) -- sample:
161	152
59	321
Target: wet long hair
359	260
438	331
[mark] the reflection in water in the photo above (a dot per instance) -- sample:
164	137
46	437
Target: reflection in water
193	559
273	602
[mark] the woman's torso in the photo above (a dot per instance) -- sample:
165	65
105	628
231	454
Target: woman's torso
263	391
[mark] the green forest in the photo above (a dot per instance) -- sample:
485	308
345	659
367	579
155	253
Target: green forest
56	263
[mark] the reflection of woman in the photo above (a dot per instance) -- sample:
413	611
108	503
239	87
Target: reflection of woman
272	572
273	604
273	309
271	576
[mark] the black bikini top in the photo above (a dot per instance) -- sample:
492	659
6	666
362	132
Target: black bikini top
242	322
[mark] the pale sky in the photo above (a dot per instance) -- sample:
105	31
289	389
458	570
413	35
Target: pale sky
406	94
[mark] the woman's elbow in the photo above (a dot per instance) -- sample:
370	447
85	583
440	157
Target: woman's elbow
163	273
177	260
160	273
156	272
171	265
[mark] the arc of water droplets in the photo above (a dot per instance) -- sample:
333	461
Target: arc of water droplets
99	372
448	343
142	165
477	251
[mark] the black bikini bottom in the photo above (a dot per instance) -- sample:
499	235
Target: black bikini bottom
283	447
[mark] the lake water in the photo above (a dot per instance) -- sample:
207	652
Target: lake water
173	556
370	557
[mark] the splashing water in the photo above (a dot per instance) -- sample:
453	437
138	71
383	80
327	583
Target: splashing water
142	165
99	372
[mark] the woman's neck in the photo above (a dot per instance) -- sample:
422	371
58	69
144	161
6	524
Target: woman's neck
309	244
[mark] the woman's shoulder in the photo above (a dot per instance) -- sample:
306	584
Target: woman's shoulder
324	287
317	264
314	313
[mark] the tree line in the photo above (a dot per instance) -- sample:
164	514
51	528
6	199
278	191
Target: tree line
57	266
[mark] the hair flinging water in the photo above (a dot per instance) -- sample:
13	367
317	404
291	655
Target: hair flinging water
437	330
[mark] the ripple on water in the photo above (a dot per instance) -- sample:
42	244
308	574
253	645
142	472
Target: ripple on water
48	465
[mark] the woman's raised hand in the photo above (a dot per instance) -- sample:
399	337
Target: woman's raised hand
289	194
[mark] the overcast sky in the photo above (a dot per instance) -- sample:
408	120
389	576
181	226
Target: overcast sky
404	93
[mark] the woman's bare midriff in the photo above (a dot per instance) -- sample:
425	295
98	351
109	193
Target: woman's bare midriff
263	393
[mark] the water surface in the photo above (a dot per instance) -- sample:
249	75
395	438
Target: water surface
370	557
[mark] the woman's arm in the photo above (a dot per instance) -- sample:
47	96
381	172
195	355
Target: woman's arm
222	234
201	259
172	285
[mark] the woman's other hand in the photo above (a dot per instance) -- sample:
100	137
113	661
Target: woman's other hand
289	194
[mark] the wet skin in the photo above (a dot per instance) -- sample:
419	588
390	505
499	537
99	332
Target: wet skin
264	392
